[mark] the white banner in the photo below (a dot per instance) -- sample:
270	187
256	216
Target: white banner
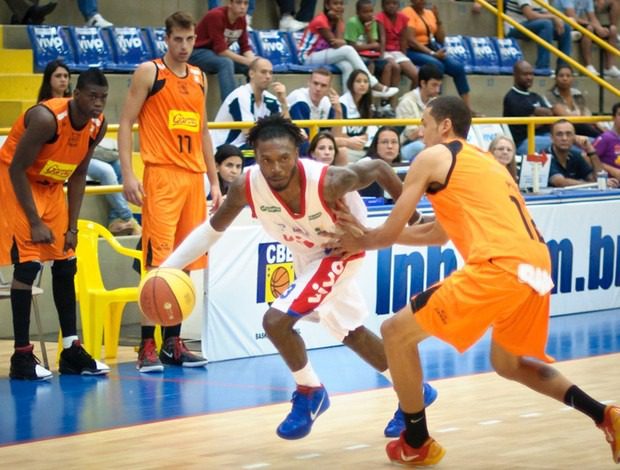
247	268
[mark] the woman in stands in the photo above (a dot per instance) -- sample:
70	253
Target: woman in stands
323	148
503	149
426	36
56	81
323	43
229	165
568	101
357	104
385	146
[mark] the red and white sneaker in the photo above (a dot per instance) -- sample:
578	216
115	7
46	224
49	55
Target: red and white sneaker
399	451
611	427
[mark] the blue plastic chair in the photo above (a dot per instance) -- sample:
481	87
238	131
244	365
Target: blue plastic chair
252	38
275	46
484	56
91	48
458	49
156	37
51	43
509	52
130	47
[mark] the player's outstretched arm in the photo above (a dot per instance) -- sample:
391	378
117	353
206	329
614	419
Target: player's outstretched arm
209	232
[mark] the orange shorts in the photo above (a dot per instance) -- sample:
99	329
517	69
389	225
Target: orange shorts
463	306
174	204
15	239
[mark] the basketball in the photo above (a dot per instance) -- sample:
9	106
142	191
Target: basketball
166	296
279	281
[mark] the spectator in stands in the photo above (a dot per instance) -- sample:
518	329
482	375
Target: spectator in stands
248	16
503	149
543	24
357	104
90	12
229	164
362	32
582	11
607	146
289	21
216	32
568	167
249	102
412	105
104	165
323	43
520	102
610	8
29	11
323	148
426	35
568	101
385	146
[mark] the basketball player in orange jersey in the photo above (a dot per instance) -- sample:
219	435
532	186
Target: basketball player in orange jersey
294	199
505	283
167	97
50	144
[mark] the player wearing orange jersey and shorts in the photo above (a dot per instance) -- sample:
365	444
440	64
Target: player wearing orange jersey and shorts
167	97
505	283
49	144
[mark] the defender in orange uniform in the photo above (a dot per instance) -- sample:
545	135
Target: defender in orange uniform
50	144
505	283
167	97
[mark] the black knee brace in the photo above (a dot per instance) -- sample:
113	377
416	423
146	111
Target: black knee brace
64	267
26	272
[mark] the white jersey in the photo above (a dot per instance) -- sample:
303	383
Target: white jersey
299	232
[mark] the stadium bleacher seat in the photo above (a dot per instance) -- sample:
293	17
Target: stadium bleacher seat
130	47
294	38
275	46
91	49
485	133
157	36
51	43
484	56
458	49
508	52
252	38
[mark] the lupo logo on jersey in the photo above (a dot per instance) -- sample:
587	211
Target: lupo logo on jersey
275	271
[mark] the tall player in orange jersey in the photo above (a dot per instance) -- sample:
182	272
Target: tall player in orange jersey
167	97
505	283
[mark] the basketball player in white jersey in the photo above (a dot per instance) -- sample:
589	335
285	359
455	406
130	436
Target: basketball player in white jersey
294	200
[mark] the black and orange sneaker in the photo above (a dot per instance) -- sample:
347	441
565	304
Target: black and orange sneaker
611	427
399	451
147	357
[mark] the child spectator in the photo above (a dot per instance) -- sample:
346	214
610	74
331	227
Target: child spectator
323	43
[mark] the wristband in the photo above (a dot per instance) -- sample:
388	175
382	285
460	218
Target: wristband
589	154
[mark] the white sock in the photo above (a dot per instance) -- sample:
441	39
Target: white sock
306	376
67	341
387	375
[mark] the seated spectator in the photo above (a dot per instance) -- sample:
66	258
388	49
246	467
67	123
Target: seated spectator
412	105
607	146
544	25
323	148
362	32
520	102
104	166
385	146
425	37
29	11
249	102
289	21
356	103
582	11
323	43
503	149
248	16
229	165
568	101
216	32
568	167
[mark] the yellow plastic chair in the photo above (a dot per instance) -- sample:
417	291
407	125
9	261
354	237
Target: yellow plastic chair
101	309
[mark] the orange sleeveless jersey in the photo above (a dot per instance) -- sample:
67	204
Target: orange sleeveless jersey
57	160
484	214
172	119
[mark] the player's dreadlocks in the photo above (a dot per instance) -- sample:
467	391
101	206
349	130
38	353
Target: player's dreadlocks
273	127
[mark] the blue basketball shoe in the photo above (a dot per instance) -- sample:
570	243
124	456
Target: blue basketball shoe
397	423
308	404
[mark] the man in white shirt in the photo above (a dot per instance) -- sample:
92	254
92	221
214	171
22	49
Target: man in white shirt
411	106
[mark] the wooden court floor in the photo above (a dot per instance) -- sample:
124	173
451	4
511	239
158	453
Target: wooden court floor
483	421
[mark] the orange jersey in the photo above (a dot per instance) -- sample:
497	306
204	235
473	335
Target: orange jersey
172	119
482	211
58	158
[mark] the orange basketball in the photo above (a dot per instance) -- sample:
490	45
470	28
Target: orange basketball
279	281
166	296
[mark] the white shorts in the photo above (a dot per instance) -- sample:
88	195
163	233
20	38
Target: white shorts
326	292
398	56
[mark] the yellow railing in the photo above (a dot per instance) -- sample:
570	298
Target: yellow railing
526	32
315	125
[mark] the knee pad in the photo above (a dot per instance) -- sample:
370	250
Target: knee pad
64	267
26	272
